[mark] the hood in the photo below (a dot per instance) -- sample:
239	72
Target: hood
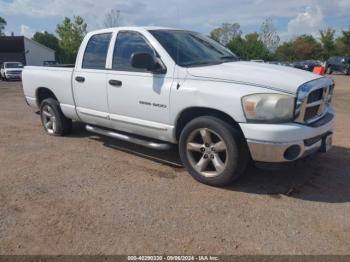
283	78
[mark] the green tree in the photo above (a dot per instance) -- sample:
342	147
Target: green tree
307	47
343	43
249	47
302	48
285	52
226	32
238	46
3	24
256	48
328	43
71	34
49	40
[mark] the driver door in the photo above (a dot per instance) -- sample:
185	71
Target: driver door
138	99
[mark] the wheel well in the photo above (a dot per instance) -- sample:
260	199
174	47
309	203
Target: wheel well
44	93
194	112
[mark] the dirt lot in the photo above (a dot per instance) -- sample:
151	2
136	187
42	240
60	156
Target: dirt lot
85	194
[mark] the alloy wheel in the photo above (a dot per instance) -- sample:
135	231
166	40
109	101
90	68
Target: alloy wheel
207	152
49	119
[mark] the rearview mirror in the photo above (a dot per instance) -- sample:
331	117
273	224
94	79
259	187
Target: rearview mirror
148	62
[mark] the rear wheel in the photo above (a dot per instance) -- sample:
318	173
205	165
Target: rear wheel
212	151
52	118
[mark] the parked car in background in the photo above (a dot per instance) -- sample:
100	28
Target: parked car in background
156	87
275	63
11	70
307	65
338	64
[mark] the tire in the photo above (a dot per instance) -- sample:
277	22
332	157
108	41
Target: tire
52	118
213	152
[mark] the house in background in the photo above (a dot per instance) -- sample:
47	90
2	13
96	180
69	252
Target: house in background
25	50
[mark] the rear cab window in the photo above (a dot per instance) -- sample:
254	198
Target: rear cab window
96	50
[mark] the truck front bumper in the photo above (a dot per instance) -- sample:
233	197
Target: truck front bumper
276	143
14	76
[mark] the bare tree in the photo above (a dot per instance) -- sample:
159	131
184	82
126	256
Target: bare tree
112	19
268	35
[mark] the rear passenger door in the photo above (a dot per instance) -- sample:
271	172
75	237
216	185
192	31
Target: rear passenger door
89	81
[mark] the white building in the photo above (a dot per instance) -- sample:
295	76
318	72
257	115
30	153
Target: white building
25	50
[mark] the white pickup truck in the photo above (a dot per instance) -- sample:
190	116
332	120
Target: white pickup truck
11	70
157	87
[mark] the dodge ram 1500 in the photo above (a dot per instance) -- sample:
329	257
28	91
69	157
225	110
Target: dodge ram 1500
157	87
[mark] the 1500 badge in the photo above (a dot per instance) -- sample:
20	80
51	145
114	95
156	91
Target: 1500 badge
152	104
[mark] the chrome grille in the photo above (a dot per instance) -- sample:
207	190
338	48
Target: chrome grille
313	99
14	72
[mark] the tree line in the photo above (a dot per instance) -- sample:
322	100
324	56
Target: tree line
264	44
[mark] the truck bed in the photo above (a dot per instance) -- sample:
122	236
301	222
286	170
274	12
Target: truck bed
57	79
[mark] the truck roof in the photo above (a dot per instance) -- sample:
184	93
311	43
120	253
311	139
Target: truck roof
134	28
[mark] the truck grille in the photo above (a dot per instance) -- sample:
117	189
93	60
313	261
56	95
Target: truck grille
313	99
315	96
15	72
311	112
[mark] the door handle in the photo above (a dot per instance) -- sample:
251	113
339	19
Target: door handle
80	79
115	83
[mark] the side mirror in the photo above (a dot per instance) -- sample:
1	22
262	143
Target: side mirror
148	62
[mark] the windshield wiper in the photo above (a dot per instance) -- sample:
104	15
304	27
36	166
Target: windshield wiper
202	63
229	57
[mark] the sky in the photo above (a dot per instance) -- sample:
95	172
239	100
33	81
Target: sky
290	17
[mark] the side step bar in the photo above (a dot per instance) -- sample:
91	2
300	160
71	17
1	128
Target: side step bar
127	138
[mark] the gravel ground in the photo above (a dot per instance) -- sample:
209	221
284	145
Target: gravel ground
85	194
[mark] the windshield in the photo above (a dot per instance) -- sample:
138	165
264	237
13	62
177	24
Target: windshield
192	49
13	65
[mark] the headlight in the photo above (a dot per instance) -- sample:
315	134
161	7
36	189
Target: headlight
268	107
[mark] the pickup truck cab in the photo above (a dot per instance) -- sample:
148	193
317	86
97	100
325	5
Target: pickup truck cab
11	70
157	87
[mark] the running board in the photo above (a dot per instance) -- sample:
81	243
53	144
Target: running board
127	138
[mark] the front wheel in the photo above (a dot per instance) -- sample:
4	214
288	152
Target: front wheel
52	118
213	152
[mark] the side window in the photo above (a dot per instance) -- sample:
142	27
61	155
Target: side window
96	51
127	44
